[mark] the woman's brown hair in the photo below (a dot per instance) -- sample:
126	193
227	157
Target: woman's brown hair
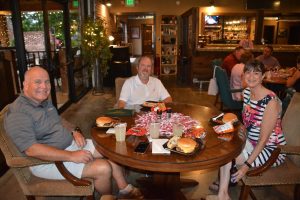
254	65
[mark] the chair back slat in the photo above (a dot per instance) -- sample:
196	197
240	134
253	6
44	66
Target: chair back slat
7	147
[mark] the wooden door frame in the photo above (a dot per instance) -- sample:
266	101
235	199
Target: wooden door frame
194	12
152	39
141	14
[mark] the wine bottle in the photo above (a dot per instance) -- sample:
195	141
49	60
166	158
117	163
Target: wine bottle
233	170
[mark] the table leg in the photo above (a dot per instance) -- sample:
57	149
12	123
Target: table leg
165	185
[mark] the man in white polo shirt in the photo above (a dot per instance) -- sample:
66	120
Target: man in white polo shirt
142	87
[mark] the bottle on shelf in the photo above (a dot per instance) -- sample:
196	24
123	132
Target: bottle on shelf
168	52
168	45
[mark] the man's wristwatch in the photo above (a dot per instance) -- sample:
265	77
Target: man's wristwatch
76	129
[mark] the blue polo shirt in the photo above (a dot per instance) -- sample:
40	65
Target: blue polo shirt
28	123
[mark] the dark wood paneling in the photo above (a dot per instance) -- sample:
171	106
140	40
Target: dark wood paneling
35	5
6	97
6	82
201	67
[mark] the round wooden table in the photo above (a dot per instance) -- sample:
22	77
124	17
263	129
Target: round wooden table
166	168
277	85
276	80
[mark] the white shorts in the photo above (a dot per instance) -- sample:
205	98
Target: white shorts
50	171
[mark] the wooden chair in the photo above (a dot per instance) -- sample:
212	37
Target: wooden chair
34	186
288	172
119	81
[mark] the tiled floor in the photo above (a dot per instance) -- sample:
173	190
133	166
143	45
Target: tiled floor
83	114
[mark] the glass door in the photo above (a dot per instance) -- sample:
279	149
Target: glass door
57	64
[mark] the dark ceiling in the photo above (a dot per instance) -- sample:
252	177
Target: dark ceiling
34	5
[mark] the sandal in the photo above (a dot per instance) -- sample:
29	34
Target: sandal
214	186
134	193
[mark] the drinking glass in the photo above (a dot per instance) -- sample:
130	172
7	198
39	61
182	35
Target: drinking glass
154	130
121	147
177	129
120	131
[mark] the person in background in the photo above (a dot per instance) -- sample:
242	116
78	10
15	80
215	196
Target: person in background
246	42
267	59
142	87
42	134
232	59
236	78
262	122
294	80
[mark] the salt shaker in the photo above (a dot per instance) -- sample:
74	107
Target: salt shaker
159	113
169	113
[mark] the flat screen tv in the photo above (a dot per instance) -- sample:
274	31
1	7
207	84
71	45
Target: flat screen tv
212	19
262	4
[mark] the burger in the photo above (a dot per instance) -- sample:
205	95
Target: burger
186	145
230	117
104	121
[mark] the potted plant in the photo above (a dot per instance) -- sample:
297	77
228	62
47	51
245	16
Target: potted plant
95	49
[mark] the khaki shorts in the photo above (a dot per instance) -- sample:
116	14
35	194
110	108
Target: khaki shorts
50	171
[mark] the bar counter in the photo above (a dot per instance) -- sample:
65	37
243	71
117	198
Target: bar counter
257	48
201	67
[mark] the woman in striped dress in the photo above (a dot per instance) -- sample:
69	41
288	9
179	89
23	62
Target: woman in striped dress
261	118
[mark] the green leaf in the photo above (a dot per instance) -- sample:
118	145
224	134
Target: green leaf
95	43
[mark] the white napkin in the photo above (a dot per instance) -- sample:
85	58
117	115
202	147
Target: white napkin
110	131
157	146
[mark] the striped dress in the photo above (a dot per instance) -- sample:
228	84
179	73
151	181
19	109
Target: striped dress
252	117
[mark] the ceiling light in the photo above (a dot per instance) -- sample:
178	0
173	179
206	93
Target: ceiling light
111	38
211	9
107	3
